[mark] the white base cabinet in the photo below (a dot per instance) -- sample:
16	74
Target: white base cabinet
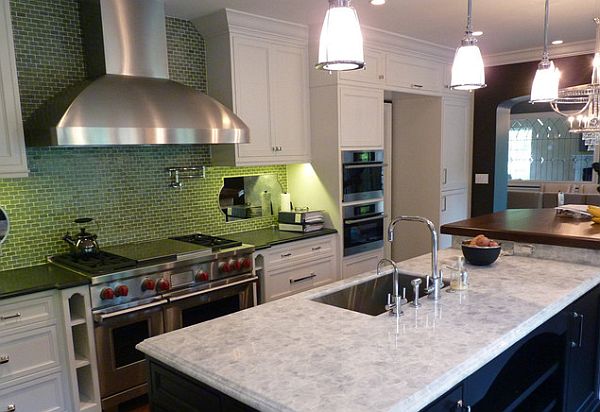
13	162
361	263
454	207
44	394
297	266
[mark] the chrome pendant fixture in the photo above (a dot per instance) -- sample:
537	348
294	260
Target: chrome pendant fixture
545	83
341	42
467	70
584	120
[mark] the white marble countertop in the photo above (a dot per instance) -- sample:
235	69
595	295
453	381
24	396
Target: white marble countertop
295	354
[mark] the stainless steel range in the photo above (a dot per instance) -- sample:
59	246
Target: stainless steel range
145	289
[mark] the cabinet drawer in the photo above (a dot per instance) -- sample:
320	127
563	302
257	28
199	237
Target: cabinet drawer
413	73
299	278
25	311
364	262
298	251
40	395
27	352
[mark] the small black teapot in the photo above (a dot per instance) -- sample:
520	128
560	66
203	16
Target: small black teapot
83	243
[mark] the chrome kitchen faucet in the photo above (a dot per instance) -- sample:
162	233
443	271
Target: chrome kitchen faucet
395	301
433	290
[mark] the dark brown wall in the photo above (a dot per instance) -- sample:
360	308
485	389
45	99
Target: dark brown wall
506	82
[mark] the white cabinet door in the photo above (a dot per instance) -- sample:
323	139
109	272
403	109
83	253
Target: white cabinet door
361	263
373	72
252	100
40	395
289	100
411	72
361	117
455	143
454	207
13	162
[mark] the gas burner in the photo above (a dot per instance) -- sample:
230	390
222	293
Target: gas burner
216	243
95	264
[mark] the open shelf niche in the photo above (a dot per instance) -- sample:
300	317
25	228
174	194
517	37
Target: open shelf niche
79	329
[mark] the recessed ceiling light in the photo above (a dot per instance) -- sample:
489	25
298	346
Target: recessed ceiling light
477	33
377	2
555	42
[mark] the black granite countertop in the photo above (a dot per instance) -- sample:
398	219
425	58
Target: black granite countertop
264	238
17	282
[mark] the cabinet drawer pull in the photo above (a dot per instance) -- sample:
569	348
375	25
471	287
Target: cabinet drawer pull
11	408
417	86
444	203
312	275
286	254
316	248
579	342
4	359
461	408
16	315
445	179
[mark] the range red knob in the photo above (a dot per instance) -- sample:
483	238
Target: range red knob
121	290
201	276
148	284
163	285
246	262
237	264
107	293
224	267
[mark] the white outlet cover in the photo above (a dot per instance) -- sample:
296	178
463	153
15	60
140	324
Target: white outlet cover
482	178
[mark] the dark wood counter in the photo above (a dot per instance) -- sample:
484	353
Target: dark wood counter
532	226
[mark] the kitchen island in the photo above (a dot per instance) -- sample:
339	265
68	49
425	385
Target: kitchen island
296	354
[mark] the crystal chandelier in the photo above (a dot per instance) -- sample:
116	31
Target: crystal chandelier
586	119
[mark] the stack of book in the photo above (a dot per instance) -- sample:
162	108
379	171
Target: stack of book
307	221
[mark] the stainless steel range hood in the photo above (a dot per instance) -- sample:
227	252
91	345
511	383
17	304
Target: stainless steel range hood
131	101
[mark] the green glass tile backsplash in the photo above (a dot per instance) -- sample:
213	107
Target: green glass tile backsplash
124	188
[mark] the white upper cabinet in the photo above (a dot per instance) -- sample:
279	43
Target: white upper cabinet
456	143
361	117
414	73
259	67
13	162
373	72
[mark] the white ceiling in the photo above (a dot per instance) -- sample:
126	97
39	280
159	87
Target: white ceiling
509	25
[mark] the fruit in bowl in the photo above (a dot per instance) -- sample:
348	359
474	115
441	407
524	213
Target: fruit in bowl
481	251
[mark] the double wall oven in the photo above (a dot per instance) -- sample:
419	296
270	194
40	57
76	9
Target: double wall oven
154	296
363	207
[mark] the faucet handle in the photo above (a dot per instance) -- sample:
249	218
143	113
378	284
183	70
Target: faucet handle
403	300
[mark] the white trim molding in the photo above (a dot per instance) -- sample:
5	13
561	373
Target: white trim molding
535	54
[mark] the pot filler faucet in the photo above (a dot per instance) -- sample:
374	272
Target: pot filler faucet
433	290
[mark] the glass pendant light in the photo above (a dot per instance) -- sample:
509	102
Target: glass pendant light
341	43
545	82
467	69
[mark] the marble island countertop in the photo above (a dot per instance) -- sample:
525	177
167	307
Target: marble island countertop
295	354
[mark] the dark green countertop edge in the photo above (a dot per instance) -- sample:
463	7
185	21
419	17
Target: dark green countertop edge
265	238
23	281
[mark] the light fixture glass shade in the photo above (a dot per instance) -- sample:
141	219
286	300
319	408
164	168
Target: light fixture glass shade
467	70
341	42
545	83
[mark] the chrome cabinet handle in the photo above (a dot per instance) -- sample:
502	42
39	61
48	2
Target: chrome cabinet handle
286	255
4	359
316	248
16	315
579	342
445	179
445	204
417	86
461	408
11	408
312	275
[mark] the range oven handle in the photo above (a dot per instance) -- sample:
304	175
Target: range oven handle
214	289
100	316
363	165
366	219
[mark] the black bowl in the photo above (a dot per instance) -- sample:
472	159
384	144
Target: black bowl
481	255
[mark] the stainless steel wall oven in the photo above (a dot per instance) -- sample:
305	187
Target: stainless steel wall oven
362	173
363	227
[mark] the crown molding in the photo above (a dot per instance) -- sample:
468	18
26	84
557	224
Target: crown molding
535	54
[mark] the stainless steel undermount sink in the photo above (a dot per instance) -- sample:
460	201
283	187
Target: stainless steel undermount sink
370	297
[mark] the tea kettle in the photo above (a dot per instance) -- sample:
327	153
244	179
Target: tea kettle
83	243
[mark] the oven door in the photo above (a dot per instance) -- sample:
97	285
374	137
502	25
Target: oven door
363	234
196	307
122	369
362	181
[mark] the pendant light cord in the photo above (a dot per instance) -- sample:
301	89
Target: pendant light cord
545	55
469	14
